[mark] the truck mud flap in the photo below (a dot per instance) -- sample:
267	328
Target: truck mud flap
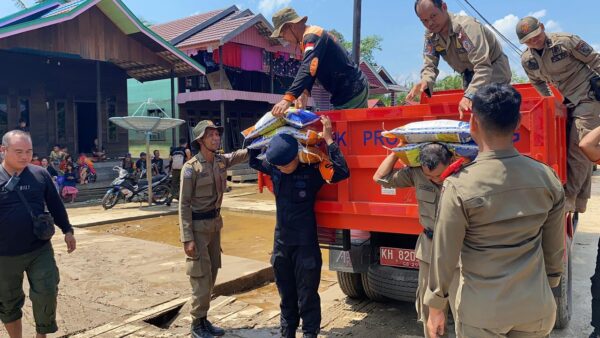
355	260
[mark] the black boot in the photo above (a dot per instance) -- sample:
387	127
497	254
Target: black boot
309	335
214	330
288	332
595	334
199	330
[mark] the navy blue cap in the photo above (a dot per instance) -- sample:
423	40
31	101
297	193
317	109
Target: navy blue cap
282	150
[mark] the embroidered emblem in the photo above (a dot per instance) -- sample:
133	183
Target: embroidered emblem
584	48
187	173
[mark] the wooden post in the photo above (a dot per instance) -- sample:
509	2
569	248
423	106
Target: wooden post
98	106
149	167
356	32
271	73
221	78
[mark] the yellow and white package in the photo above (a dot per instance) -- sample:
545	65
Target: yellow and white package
452	131
297	118
409	154
305	136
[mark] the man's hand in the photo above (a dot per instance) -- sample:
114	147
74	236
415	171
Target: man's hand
436	324
465	105
417	89
190	248
327	129
71	242
301	101
280	108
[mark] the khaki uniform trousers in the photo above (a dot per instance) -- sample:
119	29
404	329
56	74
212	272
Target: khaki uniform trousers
203	269
422	309
538	329
579	168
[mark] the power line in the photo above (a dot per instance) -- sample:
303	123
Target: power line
510	44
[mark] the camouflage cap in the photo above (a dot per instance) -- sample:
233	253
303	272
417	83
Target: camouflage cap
201	127
527	28
283	16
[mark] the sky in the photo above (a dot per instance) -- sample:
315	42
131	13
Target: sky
393	20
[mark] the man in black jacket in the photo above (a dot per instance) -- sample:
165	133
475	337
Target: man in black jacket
21	251
296	256
323	59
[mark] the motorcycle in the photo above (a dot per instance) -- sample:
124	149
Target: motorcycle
129	188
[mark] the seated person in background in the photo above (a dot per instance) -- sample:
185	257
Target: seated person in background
67	160
157	164
35	160
55	157
70	183
46	164
127	163
140	165
98	153
86	169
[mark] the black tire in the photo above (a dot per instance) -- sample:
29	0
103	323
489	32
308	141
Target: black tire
351	284
394	283
369	291
162	195
110	199
563	293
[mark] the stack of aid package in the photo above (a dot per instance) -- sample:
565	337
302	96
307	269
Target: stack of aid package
297	123
413	136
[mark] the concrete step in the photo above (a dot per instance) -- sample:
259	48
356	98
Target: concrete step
244	178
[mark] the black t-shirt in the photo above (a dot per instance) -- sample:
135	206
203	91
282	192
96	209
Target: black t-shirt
16	226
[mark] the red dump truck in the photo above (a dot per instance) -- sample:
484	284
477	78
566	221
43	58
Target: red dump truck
371	231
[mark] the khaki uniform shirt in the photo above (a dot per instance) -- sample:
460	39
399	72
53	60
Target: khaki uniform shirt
427	194
567	62
202	188
504	215
469	46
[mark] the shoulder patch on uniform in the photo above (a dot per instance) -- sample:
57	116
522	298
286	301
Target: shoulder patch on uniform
465	41
187	172
428	49
584	48
532	64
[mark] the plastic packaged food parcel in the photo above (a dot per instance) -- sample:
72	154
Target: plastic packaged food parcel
297	118
452	131
305	136
409	154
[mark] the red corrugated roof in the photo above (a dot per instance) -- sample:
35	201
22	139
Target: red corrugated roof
171	30
216	31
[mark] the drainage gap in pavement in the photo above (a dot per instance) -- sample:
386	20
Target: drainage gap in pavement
164	319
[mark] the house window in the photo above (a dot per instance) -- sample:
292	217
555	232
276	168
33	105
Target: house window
3	115
160	136
24	110
111	106
61	121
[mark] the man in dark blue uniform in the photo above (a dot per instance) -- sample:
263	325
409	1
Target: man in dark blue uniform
296	256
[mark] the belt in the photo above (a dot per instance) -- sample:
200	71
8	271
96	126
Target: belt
197	216
428	232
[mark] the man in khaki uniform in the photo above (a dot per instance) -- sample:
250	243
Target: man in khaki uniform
569	63
469	47
427	180
503	214
203	182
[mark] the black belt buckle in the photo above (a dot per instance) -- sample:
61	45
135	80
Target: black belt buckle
428	232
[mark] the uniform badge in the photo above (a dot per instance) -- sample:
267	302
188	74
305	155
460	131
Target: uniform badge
584	48
466	43
187	173
302	193
532	64
221	165
428	49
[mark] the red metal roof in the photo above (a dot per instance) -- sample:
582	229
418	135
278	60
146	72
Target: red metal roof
173	29
216	32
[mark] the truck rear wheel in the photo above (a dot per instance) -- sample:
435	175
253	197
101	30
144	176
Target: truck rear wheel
351	284
562	293
369	290
395	283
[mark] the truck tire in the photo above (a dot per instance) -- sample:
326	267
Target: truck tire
395	283
563	293
369	291
351	284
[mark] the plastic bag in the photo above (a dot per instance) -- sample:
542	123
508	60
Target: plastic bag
297	118
312	155
306	137
409	154
452	131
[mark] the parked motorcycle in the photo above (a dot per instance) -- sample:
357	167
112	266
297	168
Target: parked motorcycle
129	188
